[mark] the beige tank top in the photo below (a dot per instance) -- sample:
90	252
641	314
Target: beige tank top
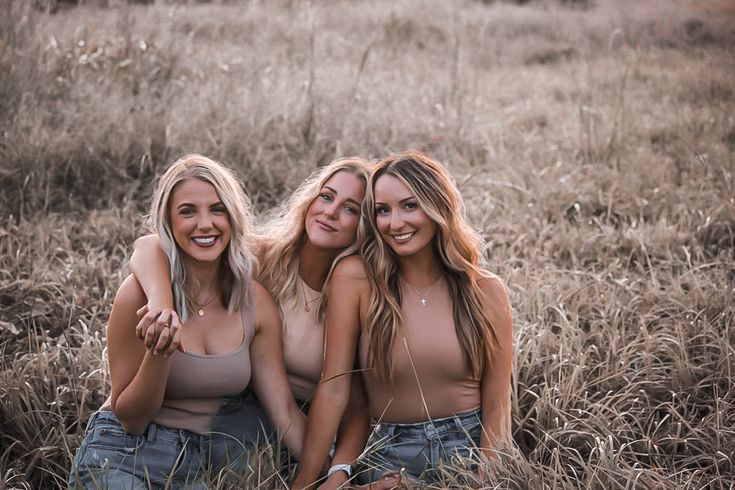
430	379
303	341
197	383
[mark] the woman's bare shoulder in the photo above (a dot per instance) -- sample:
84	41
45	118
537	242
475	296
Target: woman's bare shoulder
496	302
352	267
492	284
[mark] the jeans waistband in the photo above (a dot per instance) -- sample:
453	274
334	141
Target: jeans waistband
186	437
432	427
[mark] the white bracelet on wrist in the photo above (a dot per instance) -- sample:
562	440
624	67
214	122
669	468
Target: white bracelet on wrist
340	467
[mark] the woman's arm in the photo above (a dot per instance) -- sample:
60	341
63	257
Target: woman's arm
269	372
138	377
496	376
352	435
342	331
149	265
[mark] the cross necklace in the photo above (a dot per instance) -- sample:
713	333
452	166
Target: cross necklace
421	295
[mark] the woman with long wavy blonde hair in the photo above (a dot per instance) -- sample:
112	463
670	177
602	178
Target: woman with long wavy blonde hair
160	427
295	254
430	328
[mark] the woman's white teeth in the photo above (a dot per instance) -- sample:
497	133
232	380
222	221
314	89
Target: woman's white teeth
205	241
405	236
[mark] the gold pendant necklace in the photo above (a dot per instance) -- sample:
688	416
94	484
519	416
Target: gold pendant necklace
200	306
307	300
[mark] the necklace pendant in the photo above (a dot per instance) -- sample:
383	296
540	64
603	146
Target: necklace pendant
423	301
200	312
306	307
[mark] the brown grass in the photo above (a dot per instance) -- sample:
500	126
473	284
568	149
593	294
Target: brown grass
594	148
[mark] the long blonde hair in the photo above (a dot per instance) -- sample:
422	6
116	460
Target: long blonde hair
456	245
280	263
237	262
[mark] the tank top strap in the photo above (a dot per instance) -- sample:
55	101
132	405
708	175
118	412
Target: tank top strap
247	313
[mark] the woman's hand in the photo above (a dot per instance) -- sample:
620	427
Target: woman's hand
160	330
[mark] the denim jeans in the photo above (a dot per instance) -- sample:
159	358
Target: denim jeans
419	448
161	457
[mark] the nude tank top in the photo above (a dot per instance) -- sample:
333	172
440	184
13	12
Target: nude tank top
430	378
303	341
197	383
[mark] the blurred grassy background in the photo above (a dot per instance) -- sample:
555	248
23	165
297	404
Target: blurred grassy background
594	143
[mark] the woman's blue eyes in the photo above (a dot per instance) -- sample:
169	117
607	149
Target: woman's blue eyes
329	198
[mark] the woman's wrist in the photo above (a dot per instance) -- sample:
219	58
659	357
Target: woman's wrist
342	468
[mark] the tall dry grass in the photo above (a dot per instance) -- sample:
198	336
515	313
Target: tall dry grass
595	148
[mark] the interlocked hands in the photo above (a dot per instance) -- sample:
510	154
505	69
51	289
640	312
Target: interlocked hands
160	330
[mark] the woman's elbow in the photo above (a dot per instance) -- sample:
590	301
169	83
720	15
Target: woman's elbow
134	427
131	421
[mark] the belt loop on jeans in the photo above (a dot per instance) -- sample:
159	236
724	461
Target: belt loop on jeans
151	432
91	420
389	429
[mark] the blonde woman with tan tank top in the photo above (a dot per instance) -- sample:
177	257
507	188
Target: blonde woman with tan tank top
159	427
295	253
429	328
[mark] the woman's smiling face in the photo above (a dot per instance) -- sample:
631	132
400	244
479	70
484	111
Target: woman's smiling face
333	216
199	221
402	224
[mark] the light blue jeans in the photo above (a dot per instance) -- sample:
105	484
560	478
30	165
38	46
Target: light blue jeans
162	457
419	448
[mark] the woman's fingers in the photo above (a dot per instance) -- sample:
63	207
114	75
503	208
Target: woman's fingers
176	325
154	331
142	311
146	321
385	482
164	339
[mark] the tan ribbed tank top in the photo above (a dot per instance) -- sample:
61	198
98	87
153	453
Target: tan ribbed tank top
430	378
198	382
303	341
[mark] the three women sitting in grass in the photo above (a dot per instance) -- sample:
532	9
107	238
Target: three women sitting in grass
417	336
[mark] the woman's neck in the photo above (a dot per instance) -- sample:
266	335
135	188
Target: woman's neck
202	277
421	270
314	264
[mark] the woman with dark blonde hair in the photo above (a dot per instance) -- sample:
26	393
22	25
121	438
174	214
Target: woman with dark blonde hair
160	426
296	253
429	328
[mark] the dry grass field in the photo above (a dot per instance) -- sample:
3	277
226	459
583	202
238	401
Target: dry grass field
594	143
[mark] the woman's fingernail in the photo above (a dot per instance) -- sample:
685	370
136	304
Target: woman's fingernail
155	352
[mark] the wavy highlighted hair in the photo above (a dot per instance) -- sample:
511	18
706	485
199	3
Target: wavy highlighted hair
280	263
237	262
457	246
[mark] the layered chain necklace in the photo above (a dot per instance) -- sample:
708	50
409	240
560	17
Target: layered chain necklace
200	306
